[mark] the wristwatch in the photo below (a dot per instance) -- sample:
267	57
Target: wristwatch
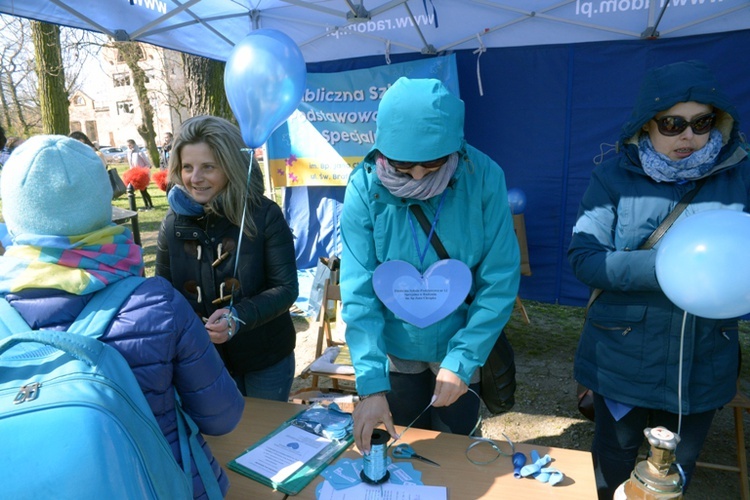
381	393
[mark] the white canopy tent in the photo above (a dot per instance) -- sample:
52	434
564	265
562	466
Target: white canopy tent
341	29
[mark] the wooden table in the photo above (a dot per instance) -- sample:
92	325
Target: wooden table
463	479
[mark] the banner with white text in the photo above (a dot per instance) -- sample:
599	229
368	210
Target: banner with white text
334	126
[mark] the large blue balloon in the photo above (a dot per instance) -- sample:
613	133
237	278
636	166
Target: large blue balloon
264	79
703	264
517	200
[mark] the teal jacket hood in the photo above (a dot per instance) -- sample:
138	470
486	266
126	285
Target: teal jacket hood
419	119
686	81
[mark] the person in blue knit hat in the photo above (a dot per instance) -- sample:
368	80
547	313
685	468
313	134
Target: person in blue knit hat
49	188
56	204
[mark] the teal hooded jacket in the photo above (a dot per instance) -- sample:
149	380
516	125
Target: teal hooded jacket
421	121
632	345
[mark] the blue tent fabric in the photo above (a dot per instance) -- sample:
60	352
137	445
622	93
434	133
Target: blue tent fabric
547	112
313	214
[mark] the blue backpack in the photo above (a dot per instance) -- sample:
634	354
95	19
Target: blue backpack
74	422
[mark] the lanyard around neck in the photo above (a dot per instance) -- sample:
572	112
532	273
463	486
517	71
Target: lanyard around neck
423	252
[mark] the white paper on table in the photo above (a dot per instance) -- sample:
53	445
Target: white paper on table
385	491
284	453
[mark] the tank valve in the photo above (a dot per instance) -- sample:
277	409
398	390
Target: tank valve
656	478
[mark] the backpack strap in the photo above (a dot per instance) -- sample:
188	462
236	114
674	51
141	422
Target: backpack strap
103	306
188	433
93	319
91	322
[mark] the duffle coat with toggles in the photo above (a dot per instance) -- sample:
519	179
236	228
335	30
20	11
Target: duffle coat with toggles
197	254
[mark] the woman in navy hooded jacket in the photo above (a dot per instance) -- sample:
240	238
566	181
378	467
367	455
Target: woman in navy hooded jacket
683	129
420	158
56	203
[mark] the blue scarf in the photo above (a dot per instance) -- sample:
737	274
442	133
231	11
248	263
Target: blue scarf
182	203
661	168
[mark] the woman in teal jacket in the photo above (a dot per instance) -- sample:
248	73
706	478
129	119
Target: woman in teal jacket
420	158
683	129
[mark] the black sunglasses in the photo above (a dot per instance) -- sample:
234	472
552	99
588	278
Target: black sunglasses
675	125
406	165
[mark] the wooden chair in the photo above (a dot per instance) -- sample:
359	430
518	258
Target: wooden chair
326	328
739	405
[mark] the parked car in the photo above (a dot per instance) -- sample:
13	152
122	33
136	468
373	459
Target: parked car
125	148
114	154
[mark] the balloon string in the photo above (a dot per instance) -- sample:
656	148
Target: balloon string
242	222
478	440
679	374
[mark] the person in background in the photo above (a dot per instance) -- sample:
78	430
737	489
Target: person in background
2	147
166	150
11	143
139	159
81	137
682	129
421	158
241	281
56	201
3	153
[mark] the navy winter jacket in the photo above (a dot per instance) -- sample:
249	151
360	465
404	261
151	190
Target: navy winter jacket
630	348
167	346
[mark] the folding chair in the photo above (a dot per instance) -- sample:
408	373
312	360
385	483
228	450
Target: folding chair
739	405
327	347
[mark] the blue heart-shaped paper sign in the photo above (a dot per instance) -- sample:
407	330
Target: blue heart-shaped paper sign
422	299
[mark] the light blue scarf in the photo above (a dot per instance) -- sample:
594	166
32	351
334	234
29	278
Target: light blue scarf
661	168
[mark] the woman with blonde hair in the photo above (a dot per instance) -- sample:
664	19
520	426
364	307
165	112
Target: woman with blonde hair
242	282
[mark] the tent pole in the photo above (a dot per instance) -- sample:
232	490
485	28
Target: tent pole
651	32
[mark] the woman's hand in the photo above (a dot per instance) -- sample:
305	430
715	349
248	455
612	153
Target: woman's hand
448	388
219	327
368	414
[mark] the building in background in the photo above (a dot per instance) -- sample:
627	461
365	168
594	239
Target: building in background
108	112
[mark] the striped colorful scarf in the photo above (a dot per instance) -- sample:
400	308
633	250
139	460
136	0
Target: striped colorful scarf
77	264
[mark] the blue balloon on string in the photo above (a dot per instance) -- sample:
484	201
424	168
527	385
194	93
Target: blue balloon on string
702	264
517	201
264	79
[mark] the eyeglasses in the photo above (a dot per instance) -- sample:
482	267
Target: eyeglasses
430	164
675	125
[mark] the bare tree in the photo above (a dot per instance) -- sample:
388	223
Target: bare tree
204	85
131	53
173	95
20	101
53	98
18	89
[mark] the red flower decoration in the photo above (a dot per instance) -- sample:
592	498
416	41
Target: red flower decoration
139	177
160	178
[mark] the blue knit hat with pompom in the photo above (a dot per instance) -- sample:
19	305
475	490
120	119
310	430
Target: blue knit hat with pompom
54	185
